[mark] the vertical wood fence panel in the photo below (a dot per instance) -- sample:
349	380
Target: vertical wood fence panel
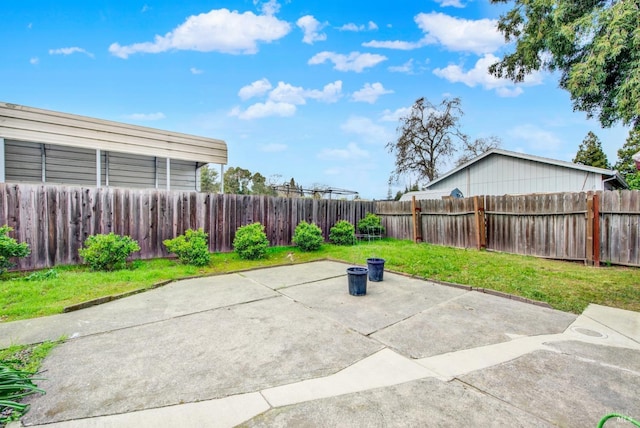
56	220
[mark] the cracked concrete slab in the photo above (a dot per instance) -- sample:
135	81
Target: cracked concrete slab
172	300
427	403
213	354
286	276
472	320
386	303
565	390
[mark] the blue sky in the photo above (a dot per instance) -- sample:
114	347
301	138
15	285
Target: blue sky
302	89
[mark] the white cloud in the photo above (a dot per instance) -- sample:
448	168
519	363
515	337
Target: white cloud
266	109
286	93
194	70
311	28
458	34
273	148
355	27
219	30
146	116
535	137
34	60
255	89
395	116
393	44
69	51
452	3
479	75
370	93
365	128
331	92
145	8
355	61
270	7
352	151
407	68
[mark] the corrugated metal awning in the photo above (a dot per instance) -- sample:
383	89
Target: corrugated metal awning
44	126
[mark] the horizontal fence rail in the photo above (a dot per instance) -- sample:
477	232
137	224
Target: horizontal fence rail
56	220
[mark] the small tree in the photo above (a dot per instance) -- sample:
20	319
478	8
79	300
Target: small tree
590	152
209	180
10	248
625	165
427	137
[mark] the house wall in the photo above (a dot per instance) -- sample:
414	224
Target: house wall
502	175
77	166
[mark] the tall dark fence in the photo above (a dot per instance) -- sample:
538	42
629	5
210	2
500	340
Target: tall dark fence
56	220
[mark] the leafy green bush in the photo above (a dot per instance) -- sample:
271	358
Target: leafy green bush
370	222
308	236
251	242
42	275
108	252
342	233
14	384
9	248
191	248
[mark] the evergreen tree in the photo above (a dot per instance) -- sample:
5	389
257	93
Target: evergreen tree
625	165
590	152
209	180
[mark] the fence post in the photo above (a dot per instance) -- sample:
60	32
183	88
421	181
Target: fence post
481	232
596	230
417	221
589	231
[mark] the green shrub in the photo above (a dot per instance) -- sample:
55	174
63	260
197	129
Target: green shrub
191	248
42	275
251	242
308	236
108	252
369	222
342	233
9	248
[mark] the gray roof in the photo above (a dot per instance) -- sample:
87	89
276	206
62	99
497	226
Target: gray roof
601	171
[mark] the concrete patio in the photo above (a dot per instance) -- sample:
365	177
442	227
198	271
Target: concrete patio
288	346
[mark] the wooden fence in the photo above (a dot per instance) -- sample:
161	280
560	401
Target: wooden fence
56	220
592	227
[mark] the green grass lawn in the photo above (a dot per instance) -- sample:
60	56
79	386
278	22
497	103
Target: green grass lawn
566	286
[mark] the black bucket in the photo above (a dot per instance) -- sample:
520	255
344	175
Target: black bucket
376	269
357	281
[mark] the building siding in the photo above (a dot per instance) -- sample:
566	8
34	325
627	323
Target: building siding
502	175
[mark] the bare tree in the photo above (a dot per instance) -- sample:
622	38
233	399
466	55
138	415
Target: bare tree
427	137
479	146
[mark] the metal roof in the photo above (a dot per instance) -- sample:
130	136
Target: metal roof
602	171
50	127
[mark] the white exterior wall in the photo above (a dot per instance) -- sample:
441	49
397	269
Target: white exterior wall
502	175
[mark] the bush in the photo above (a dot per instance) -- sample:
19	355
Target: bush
369	222
108	252
191	248
308	236
9	248
251	242
342	233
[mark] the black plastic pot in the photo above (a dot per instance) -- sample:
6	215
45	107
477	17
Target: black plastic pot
357	277
376	269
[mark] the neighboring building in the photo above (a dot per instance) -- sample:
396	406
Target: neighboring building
432	194
42	146
501	172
